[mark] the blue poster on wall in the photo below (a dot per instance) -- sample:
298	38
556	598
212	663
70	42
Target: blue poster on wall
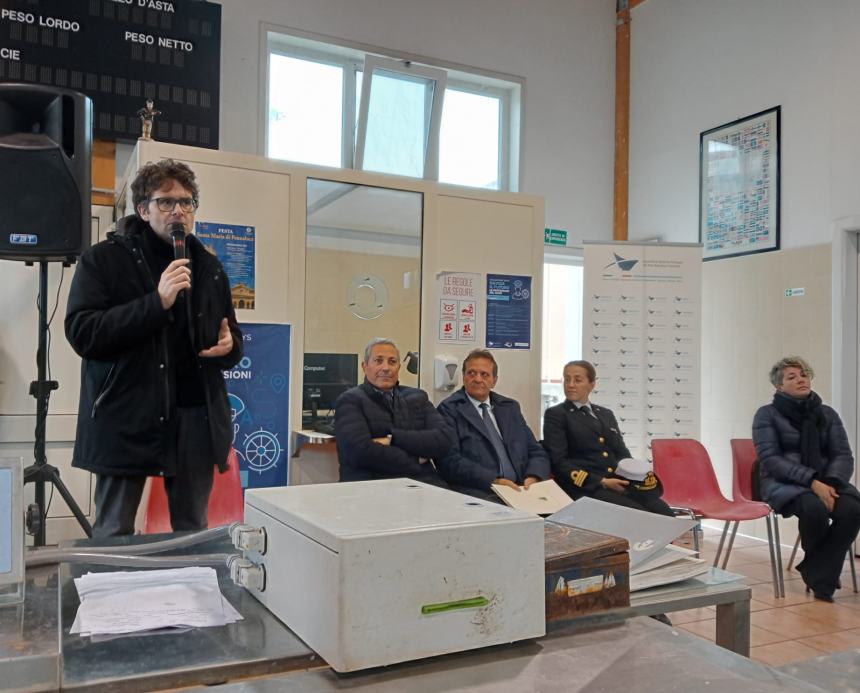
509	311
258	388
235	247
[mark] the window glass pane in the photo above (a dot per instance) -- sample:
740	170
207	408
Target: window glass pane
562	327
469	140
359	81
397	123
305	111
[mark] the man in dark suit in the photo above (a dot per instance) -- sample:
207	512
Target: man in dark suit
585	446
384	429
492	442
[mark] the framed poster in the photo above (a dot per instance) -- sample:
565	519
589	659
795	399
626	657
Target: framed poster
509	311
739	186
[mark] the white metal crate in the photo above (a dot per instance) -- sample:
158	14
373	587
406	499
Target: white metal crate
371	573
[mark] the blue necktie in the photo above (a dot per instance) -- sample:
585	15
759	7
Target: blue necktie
506	468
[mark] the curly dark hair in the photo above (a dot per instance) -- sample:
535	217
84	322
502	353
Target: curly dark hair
153	176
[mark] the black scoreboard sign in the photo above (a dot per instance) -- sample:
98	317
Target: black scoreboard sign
122	53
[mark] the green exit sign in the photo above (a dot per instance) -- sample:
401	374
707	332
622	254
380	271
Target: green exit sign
554	237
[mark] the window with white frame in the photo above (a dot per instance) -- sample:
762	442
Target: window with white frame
414	119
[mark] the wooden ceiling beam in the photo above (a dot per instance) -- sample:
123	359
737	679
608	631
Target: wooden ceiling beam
622	123
104	172
620	202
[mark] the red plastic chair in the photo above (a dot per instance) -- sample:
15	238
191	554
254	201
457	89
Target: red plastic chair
743	461
689	484
226	503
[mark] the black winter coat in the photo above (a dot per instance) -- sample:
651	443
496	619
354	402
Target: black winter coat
783	475
116	323
416	429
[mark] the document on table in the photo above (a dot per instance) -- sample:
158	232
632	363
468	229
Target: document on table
541	498
653	559
647	533
672	564
132	602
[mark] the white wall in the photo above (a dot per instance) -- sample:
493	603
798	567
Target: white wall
748	323
562	48
697	64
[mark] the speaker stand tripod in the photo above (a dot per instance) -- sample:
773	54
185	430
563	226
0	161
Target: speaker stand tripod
40	472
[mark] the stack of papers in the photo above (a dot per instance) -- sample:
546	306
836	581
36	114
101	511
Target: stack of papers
118	603
541	498
672	564
653	559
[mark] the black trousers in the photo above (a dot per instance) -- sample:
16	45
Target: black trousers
117	497
637	501
825	537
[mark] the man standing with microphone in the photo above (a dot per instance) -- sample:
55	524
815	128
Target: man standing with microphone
151	315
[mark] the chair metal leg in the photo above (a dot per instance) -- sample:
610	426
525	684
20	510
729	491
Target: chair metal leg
773	565
731	544
793	553
722	541
777	544
853	569
697	529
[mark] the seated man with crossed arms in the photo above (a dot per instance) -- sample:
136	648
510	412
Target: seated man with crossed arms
386	430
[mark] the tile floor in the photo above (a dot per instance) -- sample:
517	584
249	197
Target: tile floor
789	629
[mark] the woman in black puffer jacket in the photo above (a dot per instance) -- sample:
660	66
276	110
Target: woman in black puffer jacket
806	467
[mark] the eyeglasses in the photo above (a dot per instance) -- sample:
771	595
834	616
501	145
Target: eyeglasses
168	204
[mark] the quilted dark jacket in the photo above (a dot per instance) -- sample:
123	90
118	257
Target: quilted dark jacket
416	429
783	475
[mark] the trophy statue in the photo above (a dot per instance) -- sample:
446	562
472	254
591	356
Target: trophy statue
147	115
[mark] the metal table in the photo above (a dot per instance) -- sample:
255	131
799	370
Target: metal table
719	588
637	655
258	645
29	636
38	653
838	672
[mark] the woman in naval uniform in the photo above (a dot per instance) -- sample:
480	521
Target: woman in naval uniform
585	446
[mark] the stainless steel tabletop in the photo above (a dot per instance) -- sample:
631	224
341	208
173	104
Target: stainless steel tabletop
258	645
29	636
838	672
38	653
638	655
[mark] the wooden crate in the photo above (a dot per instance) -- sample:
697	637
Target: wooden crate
585	572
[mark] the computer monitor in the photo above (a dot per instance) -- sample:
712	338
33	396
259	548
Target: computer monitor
326	376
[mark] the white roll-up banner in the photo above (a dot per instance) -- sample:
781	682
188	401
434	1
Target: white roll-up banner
642	327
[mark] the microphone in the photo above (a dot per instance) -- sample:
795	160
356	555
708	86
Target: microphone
177	233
